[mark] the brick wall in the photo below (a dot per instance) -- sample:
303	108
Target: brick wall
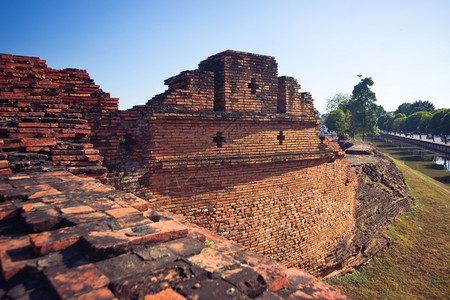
231	146
37	128
236	149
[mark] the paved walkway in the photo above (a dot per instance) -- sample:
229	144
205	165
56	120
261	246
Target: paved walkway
437	140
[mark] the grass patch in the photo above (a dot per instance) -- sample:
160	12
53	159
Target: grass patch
417	264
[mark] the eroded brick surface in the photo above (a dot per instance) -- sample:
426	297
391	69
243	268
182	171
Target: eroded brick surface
98	258
207	149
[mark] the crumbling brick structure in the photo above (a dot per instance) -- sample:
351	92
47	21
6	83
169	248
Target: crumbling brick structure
230	146
236	149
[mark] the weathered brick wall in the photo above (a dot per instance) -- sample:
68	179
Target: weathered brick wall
236	149
37	129
231	146
295	212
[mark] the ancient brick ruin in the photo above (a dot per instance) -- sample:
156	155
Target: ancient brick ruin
230	146
236	149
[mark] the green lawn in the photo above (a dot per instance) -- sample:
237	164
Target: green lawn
417	264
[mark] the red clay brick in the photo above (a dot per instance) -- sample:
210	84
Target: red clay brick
167	294
100	294
3	164
122	212
163	231
212	260
77	209
8	210
14	256
50	241
76	281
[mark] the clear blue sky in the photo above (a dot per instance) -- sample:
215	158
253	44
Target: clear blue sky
130	47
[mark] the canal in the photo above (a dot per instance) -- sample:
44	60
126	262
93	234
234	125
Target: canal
431	164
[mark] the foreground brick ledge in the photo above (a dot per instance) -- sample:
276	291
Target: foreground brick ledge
72	262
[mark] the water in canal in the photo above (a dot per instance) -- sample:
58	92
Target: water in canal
429	163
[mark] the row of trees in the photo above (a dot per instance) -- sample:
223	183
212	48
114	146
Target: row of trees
421	122
358	114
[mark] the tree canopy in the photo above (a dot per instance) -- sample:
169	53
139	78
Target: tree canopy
363	108
419	105
337	101
337	121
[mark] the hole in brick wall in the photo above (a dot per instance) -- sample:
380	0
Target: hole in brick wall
280	137
253	86
219	93
281	105
219	139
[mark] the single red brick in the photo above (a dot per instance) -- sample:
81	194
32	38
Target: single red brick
8	210
5	171
76	281
45	190
212	260
162	231
14	255
50	241
3	164
129	199
33	142
100	294
40	220
33	124
122	212
106	243
18	177
28	207
37	149
167	294
77	209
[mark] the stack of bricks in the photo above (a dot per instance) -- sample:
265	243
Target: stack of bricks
33	119
76	88
66	237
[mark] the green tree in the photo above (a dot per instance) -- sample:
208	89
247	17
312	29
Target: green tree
363	108
445	125
422	106
424	122
337	101
413	122
410	108
380	111
398	124
404	108
434	127
385	122
337	121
